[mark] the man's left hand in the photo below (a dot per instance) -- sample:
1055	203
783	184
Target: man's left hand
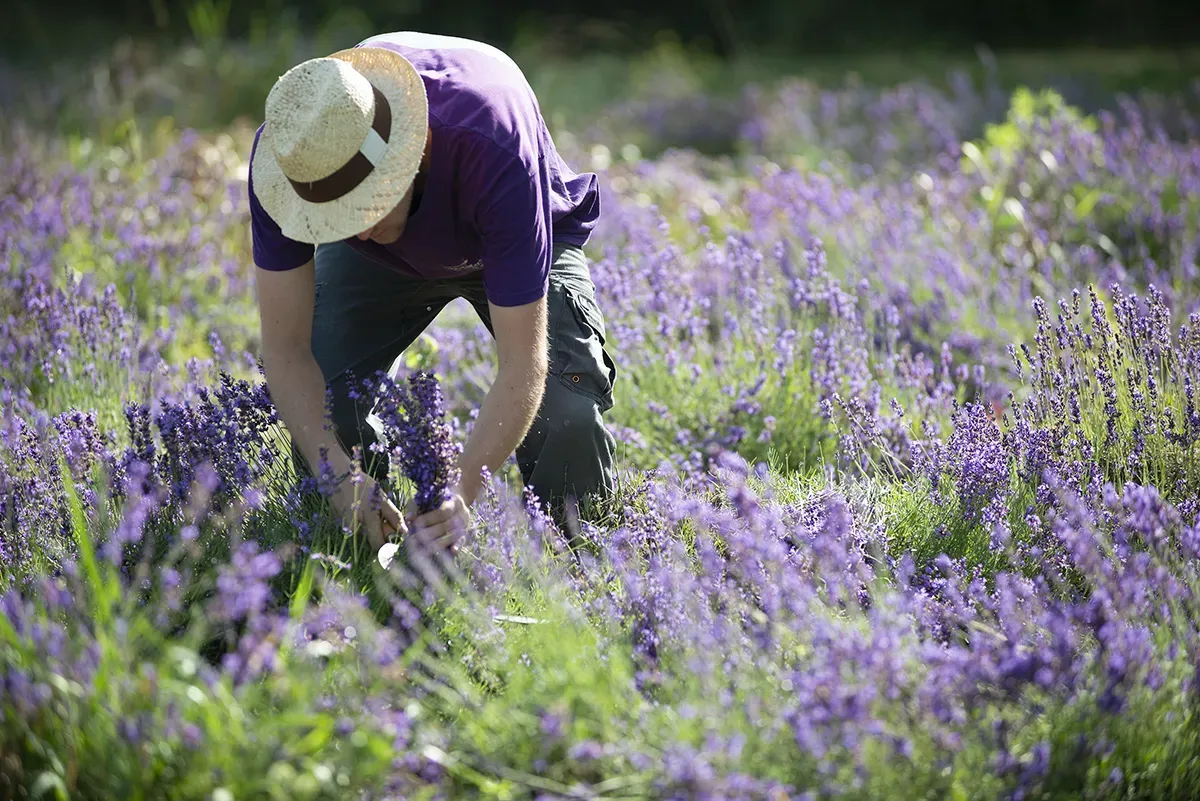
441	528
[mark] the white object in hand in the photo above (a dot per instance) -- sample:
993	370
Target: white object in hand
387	553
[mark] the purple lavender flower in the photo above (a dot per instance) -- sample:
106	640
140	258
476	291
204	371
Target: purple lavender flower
242	586
414	419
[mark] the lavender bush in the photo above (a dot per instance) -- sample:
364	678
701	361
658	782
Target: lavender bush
909	475
414	420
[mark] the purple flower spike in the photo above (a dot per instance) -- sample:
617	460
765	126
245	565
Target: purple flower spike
414	417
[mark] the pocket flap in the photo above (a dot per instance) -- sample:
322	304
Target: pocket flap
587	310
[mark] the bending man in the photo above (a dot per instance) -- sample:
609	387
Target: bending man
387	180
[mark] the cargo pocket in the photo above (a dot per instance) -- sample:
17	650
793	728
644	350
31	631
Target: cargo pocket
582	362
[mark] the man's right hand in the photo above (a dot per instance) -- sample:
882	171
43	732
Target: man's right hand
364	506
285	302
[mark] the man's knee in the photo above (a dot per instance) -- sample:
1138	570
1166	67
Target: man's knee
570	415
573	456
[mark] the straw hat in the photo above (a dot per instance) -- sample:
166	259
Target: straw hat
343	139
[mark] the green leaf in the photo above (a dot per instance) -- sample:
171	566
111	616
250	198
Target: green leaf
1084	207
1171	200
1014	209
1005	137
303	591
1022	108
66	686
316	739
972	152
7	632
1108	246
87	554
48	782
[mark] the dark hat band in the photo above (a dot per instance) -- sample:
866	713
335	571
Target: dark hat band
354	171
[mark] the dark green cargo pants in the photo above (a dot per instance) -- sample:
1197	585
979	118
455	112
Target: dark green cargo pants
366	315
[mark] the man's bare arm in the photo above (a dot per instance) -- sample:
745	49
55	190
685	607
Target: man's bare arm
512	403
285	304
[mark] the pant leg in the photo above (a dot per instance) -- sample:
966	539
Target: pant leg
364	316
568	453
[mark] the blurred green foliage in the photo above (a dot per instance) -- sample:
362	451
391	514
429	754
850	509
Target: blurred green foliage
732	28
217	73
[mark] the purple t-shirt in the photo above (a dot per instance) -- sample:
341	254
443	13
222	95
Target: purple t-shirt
497	196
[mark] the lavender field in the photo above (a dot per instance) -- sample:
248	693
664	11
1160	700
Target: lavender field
910	482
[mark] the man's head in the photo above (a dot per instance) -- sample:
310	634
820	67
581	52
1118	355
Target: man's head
343	141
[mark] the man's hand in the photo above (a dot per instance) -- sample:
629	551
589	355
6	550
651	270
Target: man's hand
365	504
441	528
285	301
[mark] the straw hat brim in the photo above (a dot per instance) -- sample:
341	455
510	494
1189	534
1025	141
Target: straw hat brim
382	189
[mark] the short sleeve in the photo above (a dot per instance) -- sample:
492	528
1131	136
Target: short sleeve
511	217
272	250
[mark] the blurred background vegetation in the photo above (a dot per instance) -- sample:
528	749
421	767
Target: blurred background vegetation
729	27
221	56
